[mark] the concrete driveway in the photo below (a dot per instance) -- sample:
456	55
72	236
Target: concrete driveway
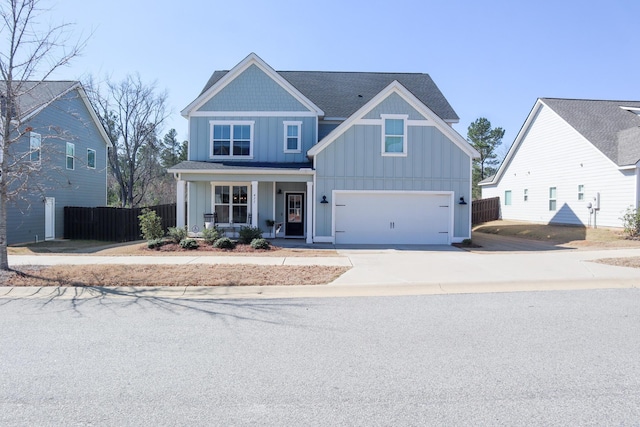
499	263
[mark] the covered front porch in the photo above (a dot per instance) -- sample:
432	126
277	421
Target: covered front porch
277	200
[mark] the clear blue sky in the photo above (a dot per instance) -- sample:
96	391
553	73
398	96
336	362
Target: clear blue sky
491	59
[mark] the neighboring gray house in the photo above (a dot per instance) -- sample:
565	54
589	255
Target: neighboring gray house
329	156
575	161
65	147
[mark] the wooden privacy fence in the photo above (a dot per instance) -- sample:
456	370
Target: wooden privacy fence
111	224
484	210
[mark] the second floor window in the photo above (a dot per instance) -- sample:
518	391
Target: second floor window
232	139
292	137
71	152
35	143
394	135
91	158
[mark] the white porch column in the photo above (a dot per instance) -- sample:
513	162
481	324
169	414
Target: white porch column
180	199
254	203
310	212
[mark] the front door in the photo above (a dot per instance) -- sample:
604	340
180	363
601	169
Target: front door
295	214
49	218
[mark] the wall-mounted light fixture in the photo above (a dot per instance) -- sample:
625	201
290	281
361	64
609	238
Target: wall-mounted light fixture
279	190
462	202
324	199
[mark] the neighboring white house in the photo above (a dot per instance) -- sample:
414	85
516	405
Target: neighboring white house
571	154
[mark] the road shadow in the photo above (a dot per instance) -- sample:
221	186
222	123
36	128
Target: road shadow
84	300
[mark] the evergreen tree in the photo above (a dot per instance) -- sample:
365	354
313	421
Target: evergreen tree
486	140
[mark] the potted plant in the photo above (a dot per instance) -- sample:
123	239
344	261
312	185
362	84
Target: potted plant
270	224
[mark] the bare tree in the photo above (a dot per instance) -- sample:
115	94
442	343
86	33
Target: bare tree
132	114
29	53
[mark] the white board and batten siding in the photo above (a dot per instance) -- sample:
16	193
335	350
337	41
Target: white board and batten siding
553	154
393	217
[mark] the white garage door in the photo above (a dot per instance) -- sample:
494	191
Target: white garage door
392	218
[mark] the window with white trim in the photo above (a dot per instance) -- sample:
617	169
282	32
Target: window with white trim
231	204
552	198
91	158
71	152
580	192
231	139
35	145
394	134
292	137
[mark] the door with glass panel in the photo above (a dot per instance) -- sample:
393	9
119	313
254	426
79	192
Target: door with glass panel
295	214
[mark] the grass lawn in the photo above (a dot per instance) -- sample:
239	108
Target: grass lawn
170	275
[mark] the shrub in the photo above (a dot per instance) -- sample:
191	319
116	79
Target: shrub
631	222
210	235
177	234
260	244
224	243
247	234
150	225
467	242
189	243
155	243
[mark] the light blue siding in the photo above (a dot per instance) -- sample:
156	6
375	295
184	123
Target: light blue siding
354	162
199	203
253	90
395	104
265	205
268	138
65	120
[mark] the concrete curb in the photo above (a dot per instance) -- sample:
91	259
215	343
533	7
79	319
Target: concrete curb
309	291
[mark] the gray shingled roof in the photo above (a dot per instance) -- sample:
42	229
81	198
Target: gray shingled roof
34	94
611	129
340	94
211	166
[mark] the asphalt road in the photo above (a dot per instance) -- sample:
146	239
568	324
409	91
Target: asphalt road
527	358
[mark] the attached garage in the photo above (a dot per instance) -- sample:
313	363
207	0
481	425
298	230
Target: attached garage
393	217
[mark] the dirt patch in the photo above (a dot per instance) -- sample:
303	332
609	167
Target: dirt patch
633	262
170	275
569	235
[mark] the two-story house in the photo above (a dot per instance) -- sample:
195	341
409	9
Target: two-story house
340	157
59	160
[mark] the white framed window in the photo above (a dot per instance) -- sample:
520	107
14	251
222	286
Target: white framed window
394	134
507	197
71	153
580	192
231	139
91	158
35	146
231	203
552	198
292	137
526	195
